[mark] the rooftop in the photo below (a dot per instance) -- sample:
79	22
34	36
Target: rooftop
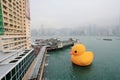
8	60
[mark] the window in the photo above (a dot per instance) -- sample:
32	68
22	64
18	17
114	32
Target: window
3	78
10	5
13	71
8	76
9	0
4	1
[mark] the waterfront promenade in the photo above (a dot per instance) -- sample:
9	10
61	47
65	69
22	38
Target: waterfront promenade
36	69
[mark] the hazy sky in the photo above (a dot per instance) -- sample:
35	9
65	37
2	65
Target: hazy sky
69	13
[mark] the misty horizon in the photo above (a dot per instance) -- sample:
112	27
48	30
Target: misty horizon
90	30
74	13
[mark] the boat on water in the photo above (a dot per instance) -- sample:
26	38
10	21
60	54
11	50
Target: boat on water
108	39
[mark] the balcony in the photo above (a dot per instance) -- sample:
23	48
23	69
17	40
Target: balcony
4	1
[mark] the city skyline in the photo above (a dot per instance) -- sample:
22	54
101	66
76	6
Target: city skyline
89	30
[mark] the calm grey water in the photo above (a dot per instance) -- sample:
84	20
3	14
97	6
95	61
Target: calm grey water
106	64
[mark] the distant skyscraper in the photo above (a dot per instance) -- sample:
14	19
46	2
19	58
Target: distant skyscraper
14	25
42	29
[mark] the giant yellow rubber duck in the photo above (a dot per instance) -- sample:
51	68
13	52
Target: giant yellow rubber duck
80	56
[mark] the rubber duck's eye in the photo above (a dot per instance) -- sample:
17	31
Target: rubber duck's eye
75	51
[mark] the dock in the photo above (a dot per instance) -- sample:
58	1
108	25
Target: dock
57	44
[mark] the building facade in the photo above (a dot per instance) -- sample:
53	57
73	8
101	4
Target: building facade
14	25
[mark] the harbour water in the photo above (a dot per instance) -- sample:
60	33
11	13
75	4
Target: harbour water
106	64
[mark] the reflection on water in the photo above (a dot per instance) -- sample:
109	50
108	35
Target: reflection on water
104	67
78	71
85	69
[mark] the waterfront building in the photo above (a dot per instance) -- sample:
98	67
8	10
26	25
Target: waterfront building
16	54
14	25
